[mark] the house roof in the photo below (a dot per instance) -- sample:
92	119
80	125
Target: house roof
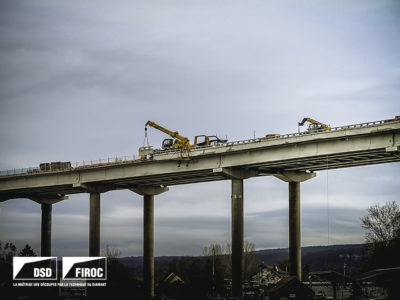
290	285
377	274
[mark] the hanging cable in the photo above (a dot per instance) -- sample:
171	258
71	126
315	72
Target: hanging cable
327	197
229	220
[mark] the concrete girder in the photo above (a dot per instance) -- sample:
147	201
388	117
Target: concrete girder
48	199
295	176
393	149
236	173
94	188
149	190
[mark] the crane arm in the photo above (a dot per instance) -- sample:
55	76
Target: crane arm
323	126
174	134
303	121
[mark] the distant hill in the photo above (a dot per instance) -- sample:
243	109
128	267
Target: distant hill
137	261
318	258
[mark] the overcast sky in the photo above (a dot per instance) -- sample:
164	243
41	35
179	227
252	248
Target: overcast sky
78	81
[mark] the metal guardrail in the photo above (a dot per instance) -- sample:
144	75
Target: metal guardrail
158	152
291	135
75	165
19	171
114	160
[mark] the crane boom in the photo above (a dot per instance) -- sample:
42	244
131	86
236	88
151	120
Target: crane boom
182	141
315	125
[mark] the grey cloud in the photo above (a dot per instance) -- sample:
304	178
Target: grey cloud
78	82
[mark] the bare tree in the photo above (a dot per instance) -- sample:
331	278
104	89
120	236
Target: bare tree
111	253
217	256
382	223
250	259
224	255
213	249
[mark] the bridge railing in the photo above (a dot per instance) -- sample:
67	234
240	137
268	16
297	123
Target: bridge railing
133	158
104	161
284	136
80	164
19	171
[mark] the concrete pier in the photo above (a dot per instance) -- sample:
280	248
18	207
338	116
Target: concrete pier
237	237
148	193
45	248
294	179
148	245
94	224
46	202
294	230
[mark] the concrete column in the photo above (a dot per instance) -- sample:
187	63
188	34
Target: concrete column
148	193
94	225
294	230
148	245
46	229
294	179
237	237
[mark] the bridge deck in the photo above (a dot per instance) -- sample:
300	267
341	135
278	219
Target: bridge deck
342	147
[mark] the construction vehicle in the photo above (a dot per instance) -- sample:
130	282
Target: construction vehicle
272	136
314	126
177	142
207	140
55	166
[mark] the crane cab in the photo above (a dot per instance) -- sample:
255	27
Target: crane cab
168	144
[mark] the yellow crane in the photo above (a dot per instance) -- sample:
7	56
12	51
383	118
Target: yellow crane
177	141
315	125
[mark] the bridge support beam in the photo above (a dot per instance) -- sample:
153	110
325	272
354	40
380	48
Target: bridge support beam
148	235
237	175
94	214
94	224
148	245
45	245
237	237
46	202
294	179
294	230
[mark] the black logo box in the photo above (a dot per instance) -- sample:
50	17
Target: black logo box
27	270
91	264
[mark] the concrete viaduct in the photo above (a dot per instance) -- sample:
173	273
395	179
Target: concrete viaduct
293	158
